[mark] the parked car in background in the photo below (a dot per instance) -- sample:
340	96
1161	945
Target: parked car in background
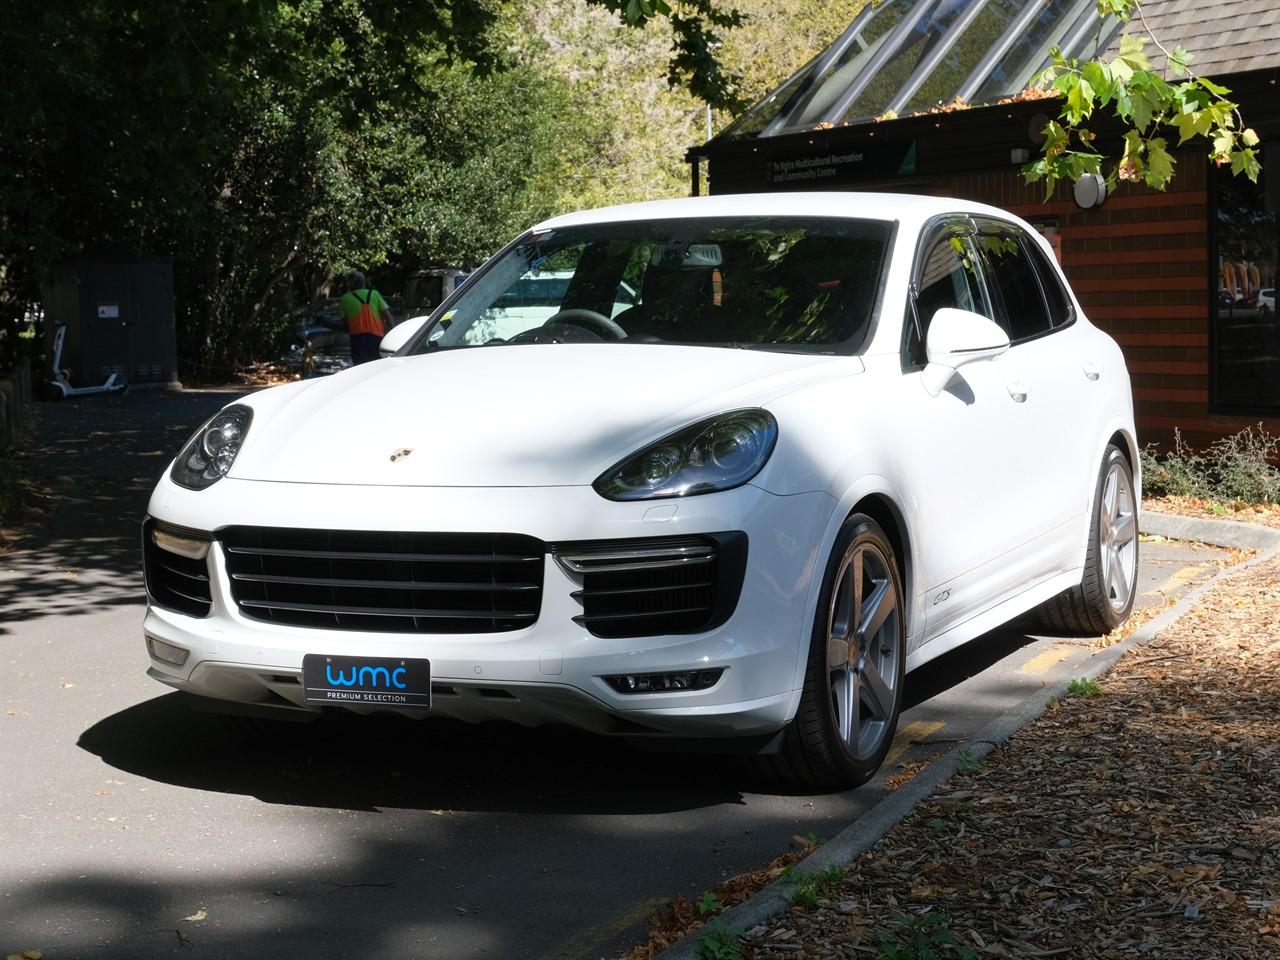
761	457
1267	301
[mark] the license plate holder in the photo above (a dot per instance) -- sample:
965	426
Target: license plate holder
342	681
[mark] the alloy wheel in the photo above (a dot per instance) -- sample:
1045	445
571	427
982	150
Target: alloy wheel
1118	536
863	639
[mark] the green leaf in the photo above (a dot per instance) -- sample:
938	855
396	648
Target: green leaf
1159	164
1098	76
1249	137
1195	124
1080	99
1180	60
1217	89
1133	52
1246	162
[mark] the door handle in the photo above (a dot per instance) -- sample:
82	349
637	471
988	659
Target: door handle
1019	391
1092	369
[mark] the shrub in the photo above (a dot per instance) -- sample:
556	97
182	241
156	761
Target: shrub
1237	468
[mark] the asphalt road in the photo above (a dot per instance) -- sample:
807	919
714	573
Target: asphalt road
131	826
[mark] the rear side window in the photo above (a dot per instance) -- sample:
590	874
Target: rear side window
946	276
1014	283
1055	294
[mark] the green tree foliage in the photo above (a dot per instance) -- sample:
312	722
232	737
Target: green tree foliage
1150	106
267	144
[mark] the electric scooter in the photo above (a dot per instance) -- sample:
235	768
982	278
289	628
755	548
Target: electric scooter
61	386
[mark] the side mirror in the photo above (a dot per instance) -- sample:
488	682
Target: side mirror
400	334
955	338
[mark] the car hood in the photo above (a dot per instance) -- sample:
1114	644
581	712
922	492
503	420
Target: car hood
515	416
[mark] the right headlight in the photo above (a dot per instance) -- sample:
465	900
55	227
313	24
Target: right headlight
718	453
209	454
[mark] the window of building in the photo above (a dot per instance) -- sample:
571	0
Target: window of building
1246	336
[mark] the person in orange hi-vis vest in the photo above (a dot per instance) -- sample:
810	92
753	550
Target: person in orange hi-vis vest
367	316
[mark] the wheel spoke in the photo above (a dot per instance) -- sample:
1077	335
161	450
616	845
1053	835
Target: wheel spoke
876	610
855	578
1122	529
846	703
1109	497
1118	578
875	692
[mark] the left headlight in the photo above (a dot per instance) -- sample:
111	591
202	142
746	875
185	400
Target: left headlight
719	453
209	454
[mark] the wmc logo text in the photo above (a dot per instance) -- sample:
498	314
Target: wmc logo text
367	676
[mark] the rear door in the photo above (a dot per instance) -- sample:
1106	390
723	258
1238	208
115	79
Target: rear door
1060	412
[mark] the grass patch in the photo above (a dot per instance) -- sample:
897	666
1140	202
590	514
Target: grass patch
814	887
719	942
1083	687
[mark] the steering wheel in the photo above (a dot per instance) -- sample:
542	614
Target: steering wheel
598	321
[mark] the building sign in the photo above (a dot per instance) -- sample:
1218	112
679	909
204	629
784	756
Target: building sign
108	311
821	170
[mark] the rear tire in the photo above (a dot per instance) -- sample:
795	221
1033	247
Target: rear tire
852	692
1104	598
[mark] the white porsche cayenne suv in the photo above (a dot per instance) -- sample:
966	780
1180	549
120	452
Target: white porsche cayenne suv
767	455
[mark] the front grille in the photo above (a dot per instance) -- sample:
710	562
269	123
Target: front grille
638	588
175	582
394	582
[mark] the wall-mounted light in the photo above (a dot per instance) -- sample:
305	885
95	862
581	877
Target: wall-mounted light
1090	191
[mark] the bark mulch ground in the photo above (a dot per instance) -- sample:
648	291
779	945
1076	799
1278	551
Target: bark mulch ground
1267	514
1140	817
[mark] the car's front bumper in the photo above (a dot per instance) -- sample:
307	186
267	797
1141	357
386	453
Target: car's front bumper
551	671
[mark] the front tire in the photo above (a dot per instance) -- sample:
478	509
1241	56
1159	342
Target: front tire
852	693
1105	596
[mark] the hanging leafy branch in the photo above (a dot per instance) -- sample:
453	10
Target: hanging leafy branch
1151	107
694	63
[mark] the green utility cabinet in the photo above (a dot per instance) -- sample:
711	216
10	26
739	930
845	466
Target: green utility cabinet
119	316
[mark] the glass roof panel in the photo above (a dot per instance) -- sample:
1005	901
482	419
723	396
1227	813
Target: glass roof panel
965	50
1014	70
752	122
875	24
919	41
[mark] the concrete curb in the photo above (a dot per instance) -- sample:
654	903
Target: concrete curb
863	833
1222	533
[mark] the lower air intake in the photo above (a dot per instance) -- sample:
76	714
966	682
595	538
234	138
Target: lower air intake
653	587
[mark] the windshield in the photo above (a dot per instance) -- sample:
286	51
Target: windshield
771	282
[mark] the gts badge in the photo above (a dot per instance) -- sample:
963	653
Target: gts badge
401	454
943	597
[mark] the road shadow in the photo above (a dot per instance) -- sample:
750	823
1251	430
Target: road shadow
952	669
351	762
99	458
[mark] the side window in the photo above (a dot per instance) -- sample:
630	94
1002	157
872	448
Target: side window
1014	282
946	276
1061	312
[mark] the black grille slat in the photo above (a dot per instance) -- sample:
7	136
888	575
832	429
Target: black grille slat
367	555
338	610
644	588
385	582
625	591
175	582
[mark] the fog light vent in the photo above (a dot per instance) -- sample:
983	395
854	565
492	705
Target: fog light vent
167	652
664	682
